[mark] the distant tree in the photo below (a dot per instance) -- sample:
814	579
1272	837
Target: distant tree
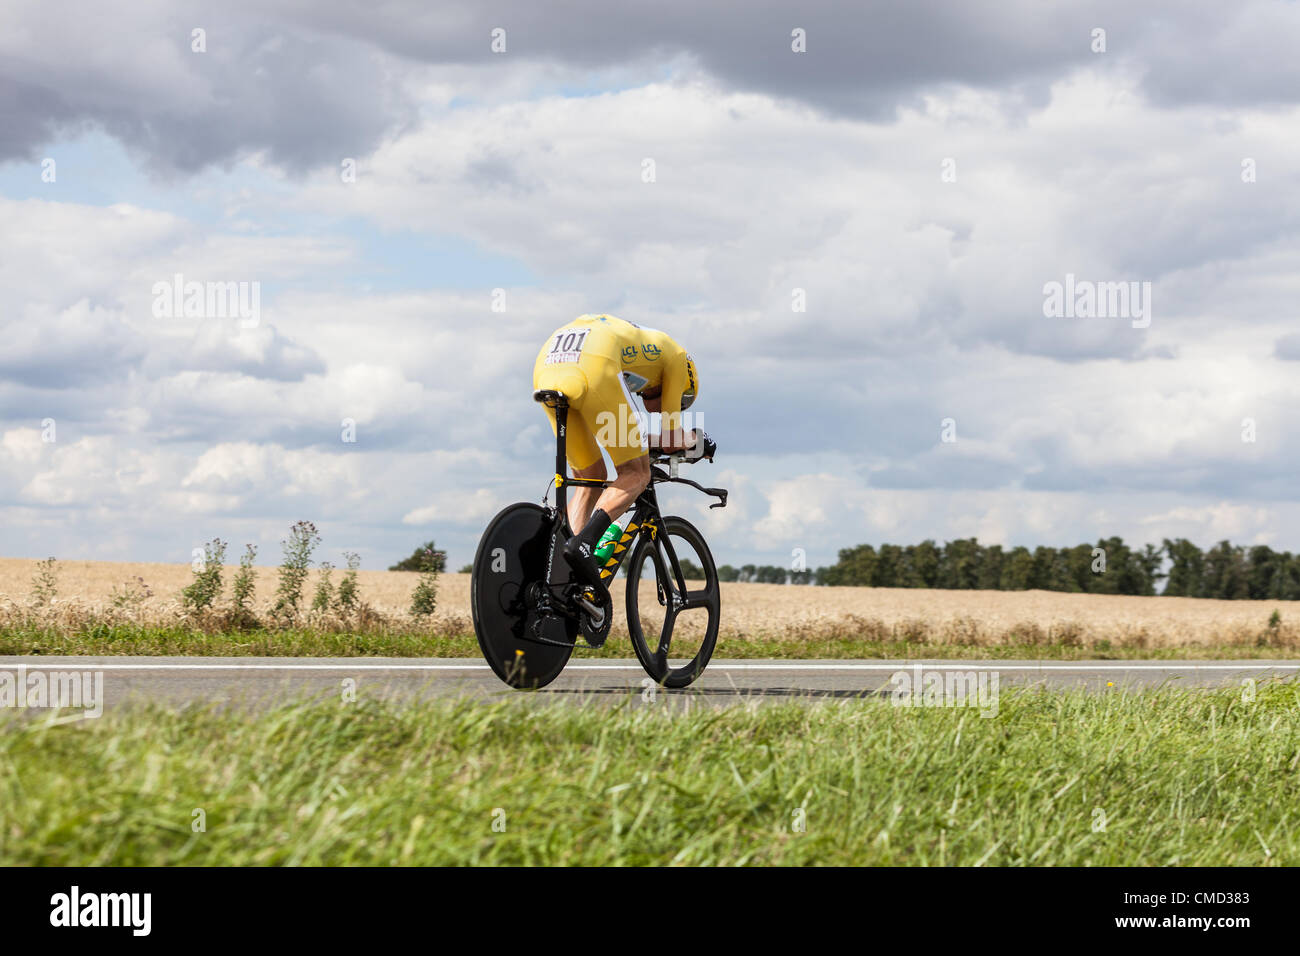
691	571
1113	579
1286	582
416	562
990	576
1186	570
1132	570
1078	568
1149	560
1017	570
1108	567
1049	572
1225	572
959	565
728	573
889	571
424	599
856	567
922	561
1262	565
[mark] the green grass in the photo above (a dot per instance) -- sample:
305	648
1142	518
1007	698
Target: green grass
100	638
1182	777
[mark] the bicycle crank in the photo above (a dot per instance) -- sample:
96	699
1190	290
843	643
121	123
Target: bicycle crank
596	618
595	613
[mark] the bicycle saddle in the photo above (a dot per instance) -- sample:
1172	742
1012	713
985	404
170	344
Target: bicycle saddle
549	396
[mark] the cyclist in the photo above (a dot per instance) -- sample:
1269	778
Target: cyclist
597	362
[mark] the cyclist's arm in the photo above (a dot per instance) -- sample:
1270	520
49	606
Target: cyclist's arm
672	437
657	441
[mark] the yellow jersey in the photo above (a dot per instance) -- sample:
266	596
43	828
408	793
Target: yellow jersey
597	361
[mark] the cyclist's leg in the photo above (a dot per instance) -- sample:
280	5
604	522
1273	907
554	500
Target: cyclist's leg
631	479
608	413
582	501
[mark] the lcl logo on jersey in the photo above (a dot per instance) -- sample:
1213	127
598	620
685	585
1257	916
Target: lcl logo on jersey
629	354
651	352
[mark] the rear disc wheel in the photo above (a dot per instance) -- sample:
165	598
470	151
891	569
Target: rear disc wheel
524	647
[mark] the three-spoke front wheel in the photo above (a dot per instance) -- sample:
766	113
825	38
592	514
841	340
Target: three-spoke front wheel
673	632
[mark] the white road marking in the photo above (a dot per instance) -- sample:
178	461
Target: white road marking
1189	666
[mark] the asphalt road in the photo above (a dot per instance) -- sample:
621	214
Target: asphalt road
267	680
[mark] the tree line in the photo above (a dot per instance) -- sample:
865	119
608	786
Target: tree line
1110	566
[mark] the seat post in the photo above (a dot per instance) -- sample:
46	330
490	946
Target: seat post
561	456
556	399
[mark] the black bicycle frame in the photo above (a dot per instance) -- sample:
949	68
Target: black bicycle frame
562	480
646	509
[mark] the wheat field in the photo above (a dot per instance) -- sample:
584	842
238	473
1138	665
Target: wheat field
757	611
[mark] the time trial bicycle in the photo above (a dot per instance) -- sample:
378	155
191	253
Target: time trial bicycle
529	611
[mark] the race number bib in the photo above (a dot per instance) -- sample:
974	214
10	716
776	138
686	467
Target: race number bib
566	346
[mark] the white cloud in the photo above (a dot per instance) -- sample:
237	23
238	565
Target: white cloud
455	507
924	302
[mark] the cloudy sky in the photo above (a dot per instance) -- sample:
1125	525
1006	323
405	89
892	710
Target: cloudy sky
915	177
